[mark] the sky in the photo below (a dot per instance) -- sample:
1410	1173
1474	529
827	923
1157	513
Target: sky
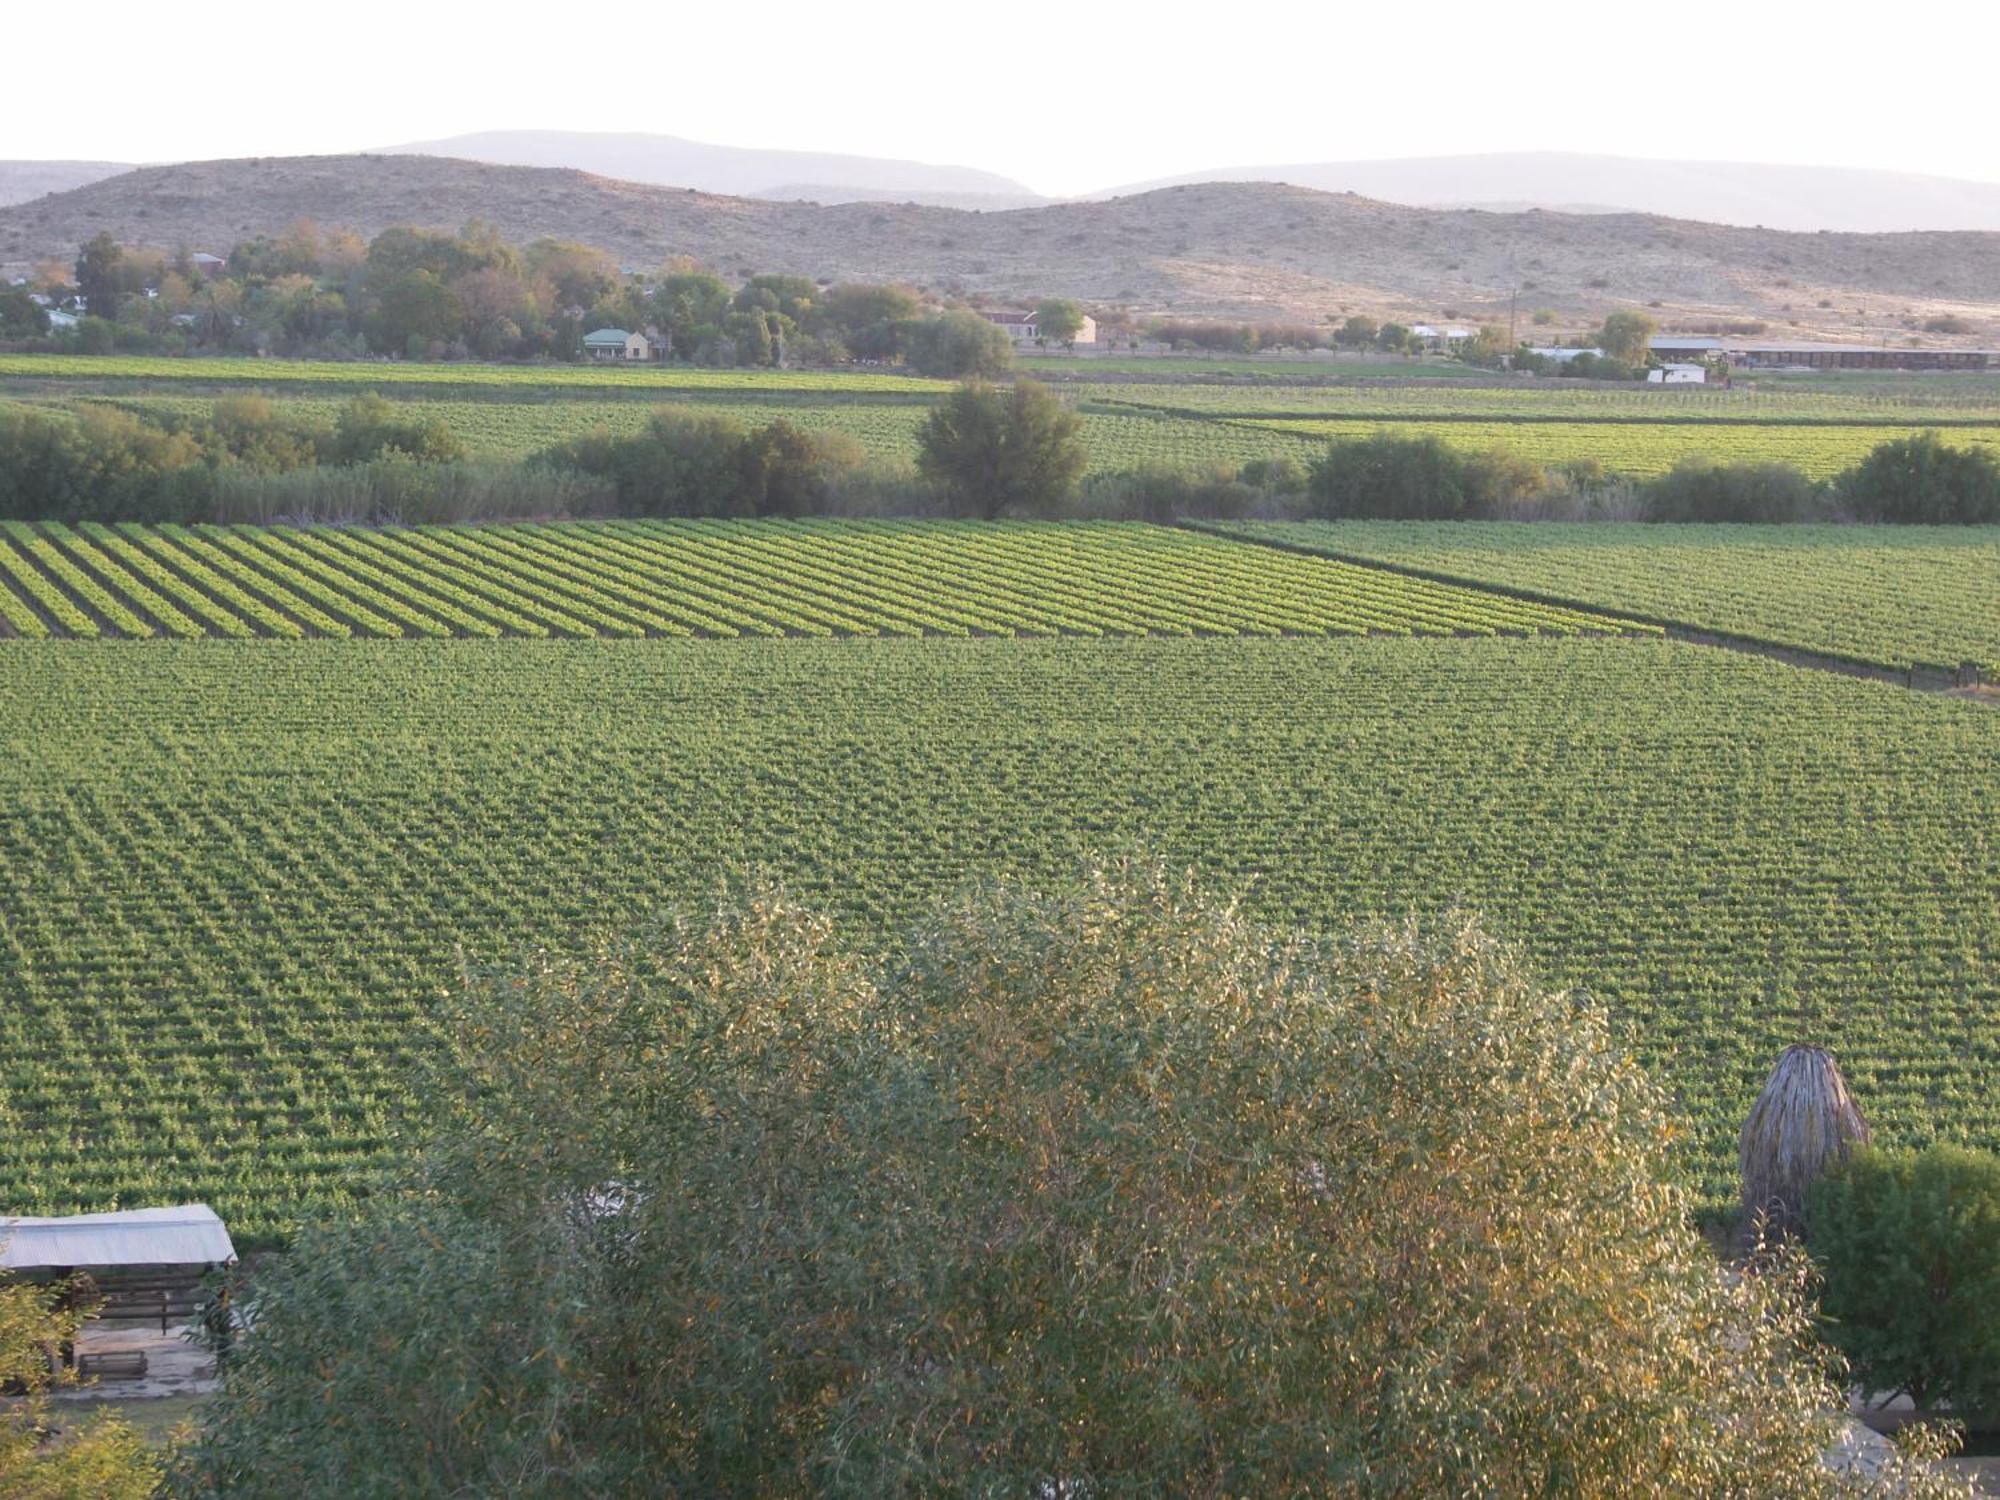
1065	98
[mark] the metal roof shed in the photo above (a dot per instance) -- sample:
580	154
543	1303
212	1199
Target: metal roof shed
190	1236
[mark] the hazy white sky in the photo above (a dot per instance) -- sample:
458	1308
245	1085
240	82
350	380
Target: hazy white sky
1065	97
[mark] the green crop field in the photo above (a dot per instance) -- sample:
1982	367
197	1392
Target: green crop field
1893	596
511	412
1643	449
589	579
1556	400
381	374
238	875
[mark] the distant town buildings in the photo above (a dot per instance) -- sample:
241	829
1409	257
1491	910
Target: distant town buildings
1759	354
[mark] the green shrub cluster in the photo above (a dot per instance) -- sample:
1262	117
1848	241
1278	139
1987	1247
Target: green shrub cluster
689	462
1909	1245
102	463
1921	480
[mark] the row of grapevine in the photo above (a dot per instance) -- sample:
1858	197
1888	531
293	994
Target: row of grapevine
717	578
239	877
1892	596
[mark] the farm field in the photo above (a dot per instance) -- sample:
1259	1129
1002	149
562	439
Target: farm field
509	412
1891	596
588	579
239	874
1558	400
1642	450
94	369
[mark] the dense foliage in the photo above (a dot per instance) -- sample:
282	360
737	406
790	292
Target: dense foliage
688	461
1106	1191
106	464
1909	1246
992	450
1394	477
239	876
49	1452
1703	490
1920	480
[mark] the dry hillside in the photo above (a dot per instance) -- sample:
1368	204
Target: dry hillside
1258	250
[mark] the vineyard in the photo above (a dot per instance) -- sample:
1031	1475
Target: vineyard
238	877
588	580
1892	596
512	412
662	379
1642	449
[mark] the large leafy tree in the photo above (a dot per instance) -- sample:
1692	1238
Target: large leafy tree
1627	336
1059	319
990	449
1105	1191
98	275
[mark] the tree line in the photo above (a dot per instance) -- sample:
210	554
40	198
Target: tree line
426	294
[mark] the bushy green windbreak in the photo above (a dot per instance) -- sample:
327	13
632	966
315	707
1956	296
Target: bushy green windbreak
1101	1193
1922	480
1910	1246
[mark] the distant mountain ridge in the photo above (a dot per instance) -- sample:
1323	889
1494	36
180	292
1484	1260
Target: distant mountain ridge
1854	199
1735	193
738	171
1259	251
22	181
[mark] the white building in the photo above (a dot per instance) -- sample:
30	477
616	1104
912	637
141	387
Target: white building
1022	328
1678	375
616	343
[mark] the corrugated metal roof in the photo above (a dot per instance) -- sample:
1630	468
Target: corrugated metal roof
607	336
189	1235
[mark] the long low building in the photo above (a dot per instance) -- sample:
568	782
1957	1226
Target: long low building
1751	354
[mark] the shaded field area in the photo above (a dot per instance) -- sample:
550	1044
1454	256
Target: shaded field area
239	876
1892	596
586	579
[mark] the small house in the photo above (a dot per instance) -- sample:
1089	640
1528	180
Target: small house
617	343
1023	328
144	1262
206	264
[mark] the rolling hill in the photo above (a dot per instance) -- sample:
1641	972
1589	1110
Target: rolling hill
1719	192
669	161
1250	250
22	181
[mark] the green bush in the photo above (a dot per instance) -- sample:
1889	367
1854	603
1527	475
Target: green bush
369	428
1909	1244
1922	480
957	345
1103	1192
992	449
1390	477
1702	490
690	462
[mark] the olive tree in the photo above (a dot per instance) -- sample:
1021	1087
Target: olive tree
1099	1191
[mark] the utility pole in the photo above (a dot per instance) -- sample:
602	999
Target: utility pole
1513	306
